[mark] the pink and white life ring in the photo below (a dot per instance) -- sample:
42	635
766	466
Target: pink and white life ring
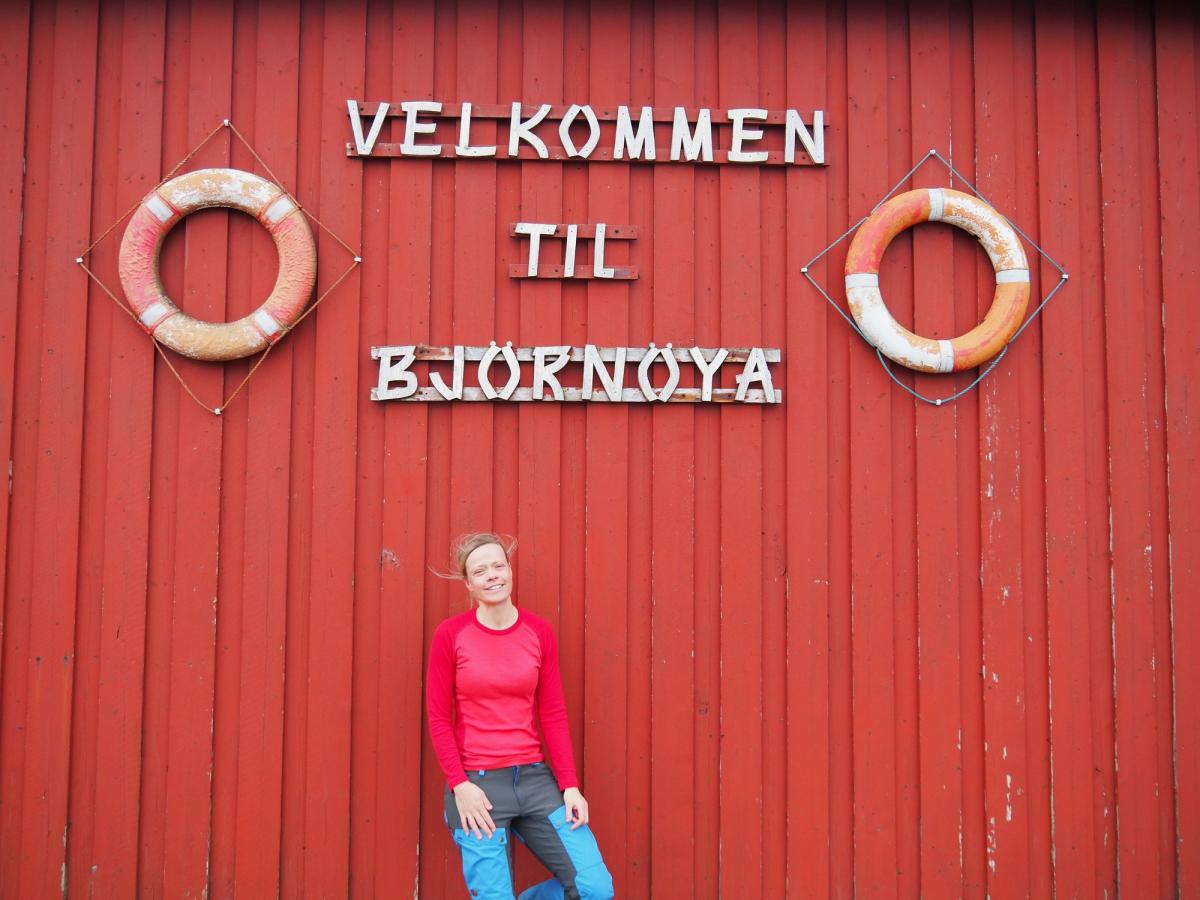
163	208
1000	242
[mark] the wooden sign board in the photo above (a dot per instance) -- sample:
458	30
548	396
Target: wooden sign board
603	376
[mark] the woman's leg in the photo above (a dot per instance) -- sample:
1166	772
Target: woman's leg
572	855
487	861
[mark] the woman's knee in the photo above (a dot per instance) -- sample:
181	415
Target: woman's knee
594	883
486	864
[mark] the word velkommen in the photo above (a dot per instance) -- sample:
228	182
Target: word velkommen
426	133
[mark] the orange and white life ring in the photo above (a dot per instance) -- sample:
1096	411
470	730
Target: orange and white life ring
163	208
895	341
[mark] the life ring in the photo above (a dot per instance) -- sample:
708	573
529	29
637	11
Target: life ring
163	208
895	341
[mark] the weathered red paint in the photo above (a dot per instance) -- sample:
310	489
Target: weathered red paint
848	644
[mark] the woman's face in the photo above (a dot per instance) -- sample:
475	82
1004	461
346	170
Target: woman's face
489	577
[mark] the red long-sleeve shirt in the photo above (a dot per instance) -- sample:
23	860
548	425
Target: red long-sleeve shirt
500	684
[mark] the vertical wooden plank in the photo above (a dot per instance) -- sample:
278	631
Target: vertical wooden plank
23	61
301	521
539	427
404	573
474	228
905	628
372	557
99	312
643	465
673	501
111	866
1136	682
772	94
50	659
807	470
103	858
1002	576
606	686
874	750
20	435
573	513
189	726
505	38
1156	472
335	443
1065	446
246	245
1178	187
164	493
440	869
741	492
940	722
706	252
1088	281
257	825
14	83
967	474
440	865
841	344
1033	512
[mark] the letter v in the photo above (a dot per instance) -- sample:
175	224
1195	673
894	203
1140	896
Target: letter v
364	147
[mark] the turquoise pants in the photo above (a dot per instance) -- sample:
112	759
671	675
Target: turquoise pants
526	803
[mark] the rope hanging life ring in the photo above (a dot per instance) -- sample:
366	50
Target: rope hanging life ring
163	208
895	341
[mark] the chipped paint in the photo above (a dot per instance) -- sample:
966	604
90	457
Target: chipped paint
999	241
991	843
205	188
893	339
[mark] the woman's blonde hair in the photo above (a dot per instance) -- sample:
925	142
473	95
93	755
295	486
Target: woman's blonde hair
466	544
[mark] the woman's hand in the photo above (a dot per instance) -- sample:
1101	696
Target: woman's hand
577	807
473	806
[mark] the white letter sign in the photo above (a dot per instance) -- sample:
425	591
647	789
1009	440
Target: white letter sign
554	381
392	369
612	133
464	148
564	131
693	144
741	134
640	144
535	230
412	128
364	146
519	130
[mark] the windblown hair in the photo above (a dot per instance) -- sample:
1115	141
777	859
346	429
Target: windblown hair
466	544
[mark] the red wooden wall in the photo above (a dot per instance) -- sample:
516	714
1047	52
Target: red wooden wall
850	644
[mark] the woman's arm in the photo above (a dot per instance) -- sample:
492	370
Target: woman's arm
471	801
552	712
439	700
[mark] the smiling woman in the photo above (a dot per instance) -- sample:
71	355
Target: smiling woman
488	576
493	679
